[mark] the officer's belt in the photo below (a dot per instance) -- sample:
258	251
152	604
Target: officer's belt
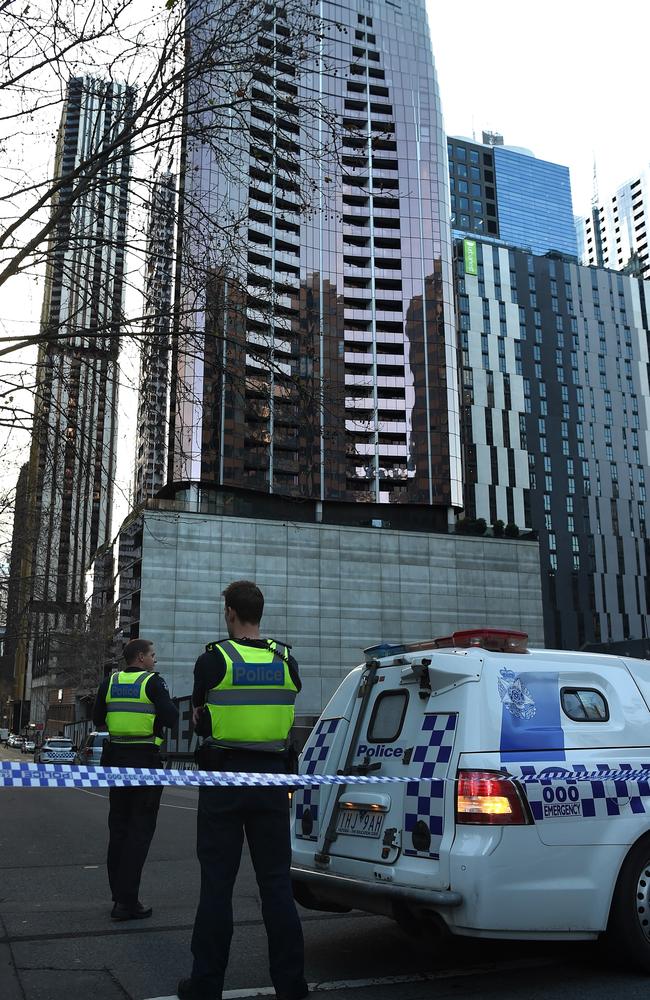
133	739
270	746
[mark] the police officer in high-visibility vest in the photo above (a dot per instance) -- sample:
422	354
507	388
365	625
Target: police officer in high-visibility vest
244	693
134	706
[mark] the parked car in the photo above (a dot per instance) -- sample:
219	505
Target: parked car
14	741
492	834
28	745
90	751
55	750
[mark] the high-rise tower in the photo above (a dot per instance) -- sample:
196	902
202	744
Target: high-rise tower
316	359
506	193
555	418
72	460
151	443
616	232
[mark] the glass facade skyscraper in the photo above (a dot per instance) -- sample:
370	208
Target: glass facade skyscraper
73	458
534	199
507	194
151	441
315	356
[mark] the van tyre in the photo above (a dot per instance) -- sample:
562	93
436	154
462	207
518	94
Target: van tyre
628	930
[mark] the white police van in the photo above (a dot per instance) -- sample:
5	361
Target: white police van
496	835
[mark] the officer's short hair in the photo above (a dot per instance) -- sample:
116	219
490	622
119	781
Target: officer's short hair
246	599
135	647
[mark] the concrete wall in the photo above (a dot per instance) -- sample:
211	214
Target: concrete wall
329	590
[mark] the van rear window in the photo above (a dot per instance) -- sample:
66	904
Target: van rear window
584	704
387	716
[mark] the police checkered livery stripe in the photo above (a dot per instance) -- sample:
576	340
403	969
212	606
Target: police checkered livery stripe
588	792
314	754
307	800
425	799
320	744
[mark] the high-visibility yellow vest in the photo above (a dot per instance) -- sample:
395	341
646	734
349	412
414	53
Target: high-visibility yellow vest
253	706
130	714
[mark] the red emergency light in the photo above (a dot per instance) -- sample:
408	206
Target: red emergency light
498	640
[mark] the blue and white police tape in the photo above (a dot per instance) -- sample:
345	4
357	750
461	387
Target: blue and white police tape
21	774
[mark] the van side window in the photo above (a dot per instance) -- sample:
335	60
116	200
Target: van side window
584	705
387	717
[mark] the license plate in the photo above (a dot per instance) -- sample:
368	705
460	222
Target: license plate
360	822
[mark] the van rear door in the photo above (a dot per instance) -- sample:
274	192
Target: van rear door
399	735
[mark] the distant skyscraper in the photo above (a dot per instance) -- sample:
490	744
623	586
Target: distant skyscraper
506	193
321	364
153	385
616	232
555	418
72	460
12	678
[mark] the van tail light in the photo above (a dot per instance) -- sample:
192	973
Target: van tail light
489	798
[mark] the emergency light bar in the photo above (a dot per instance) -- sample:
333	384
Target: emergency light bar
498	640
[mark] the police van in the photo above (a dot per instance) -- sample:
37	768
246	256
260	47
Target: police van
495	833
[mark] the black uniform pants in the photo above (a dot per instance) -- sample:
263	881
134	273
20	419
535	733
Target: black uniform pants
224	816
132	817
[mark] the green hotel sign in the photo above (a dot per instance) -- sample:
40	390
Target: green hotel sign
469	253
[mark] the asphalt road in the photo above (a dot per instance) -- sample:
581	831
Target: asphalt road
57	941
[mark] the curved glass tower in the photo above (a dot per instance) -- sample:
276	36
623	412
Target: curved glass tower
315	345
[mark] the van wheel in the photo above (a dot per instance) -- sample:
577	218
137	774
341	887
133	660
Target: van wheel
628	929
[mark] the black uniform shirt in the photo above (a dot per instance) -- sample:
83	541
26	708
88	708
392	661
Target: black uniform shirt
210	670
156	690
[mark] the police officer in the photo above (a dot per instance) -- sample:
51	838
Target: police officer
244	694
134	706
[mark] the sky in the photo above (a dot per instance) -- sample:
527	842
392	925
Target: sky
566	79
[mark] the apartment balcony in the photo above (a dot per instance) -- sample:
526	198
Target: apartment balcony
359	403
386	228
388	274
396	360
288	257
269	341
257	204
385	213
360	449
360	426
379	173
356	210
386	313
356	265
392	427
358	358
261	236
389	253
361	227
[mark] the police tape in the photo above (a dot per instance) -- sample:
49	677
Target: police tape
21	774
24	775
